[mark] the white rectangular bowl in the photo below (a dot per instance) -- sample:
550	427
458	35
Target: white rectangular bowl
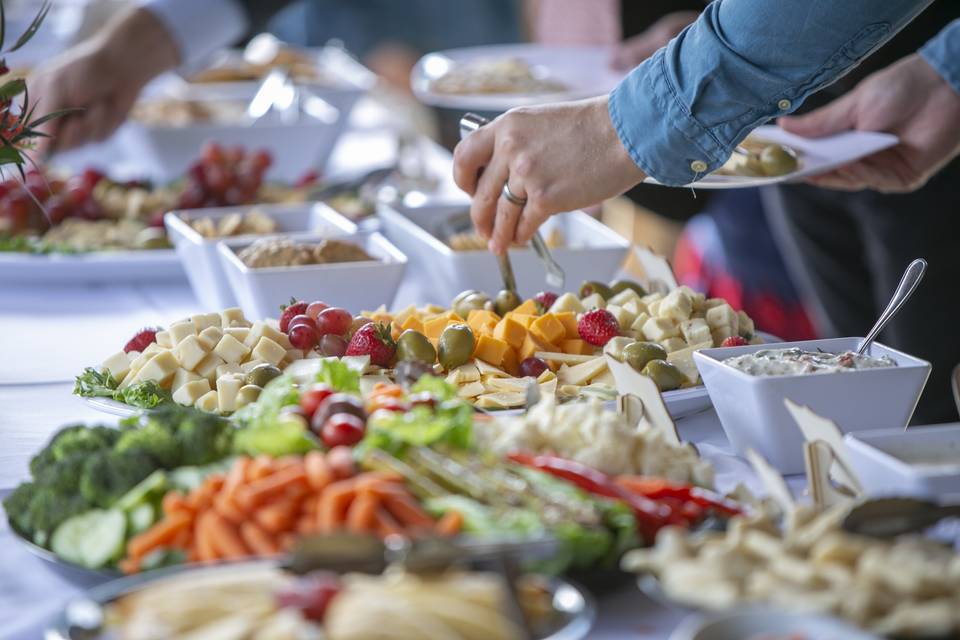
886	461
201	260
752	411
592	251
355	286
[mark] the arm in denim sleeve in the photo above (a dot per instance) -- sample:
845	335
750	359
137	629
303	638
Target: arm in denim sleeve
942	53
200	27
680	113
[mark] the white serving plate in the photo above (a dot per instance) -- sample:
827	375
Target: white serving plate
817	155
96	266
889	462
356	286
584	70
753	624
752	410
201	259
592	251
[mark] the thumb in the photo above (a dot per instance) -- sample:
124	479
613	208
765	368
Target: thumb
833	118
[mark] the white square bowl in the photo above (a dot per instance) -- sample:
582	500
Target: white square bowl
752	411
922	462
355	286
592	251
199	255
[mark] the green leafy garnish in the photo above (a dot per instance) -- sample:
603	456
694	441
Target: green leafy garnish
437	387
100	384
95	384
450	424
339	376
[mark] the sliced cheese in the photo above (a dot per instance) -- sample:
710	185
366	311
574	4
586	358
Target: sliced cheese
583	373
464	373
501	400
471	389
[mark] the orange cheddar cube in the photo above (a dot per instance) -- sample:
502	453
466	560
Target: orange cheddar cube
490	350
569	321
453	317
528	307
511	362
478	318
433	327
525	319
548	328
578	347
412	322
531	345
511	332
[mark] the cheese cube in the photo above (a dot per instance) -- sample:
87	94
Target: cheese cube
511	362
248	393
710	303
627	295
250	364
673	344
188	393
209	337
262	329
635	307
695	330
745	325
228	388
255	333
719	334
490	350
531	345
182	377
657	329
594	301
567	302
164	340
624	318
118	365
204	320
269	351
240	333
577	346
547	328
232	350
160	368
676	306
411	322
190	351
640	321
229	368
152	349
180	330
722	316
654	308
528	306
278	336
208	402
233	318
293	355
696	297
207	368
650	298
569	321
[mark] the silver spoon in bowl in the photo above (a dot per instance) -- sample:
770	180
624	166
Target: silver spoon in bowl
908	284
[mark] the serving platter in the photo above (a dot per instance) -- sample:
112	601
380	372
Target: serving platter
97	266
72	573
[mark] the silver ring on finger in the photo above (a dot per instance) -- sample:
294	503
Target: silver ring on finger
512	197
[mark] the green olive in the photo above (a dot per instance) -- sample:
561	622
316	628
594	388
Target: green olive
590	287
474	301
506	300
455	346
618	286
666	376
151	238
638	354
776	160
261	374
413	345
462	295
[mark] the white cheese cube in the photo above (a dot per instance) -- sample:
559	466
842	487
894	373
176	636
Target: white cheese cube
722	316
673	344
164	340
152	349
208	402
255	333
233	318
180	330
269	351
228	387
710	303
207	368
190	351
188	393
567	302
696	297
118	365
745	325
621	299
695	330
136	363
182	377
228	369
654	308
639	321
250	364
657	329
624	317
293	355
635	307
248	393
277	336
204	320
650	298
676	306
719	334
160	368
593	301
240	333
699	313
231	349
209	337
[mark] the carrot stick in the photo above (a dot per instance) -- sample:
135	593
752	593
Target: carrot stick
449	524
129	565
159	534
260	491
226	505
183	539
260	467
174	501
333	505
319	473
258	540
237	475
276	518
203	539
362	513
307	524
225	539
372	480
385	524
406	510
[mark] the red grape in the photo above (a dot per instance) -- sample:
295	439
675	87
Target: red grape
310	594
303	337
261	159
315	307
309	178
299	319
312	397
334	320
291	310
342	429
532	367
216	178
212	153
233	155
358	322
56	209
332	346
91	177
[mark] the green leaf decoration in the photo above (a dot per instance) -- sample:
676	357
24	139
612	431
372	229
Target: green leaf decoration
34	26
12	88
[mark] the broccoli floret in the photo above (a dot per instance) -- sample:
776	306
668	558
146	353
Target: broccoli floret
152	439
75	439
62	476
107	475
17	506
49	508
203	438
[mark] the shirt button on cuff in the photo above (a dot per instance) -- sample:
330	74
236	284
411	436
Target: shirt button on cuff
784	104
698	165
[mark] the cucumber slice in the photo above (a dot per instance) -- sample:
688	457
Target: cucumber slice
141	517
92	539
155	483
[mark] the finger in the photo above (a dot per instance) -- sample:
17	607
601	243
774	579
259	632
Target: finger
483	207
71	132
471	156
98	115
531	220
840	179
833	118
505	227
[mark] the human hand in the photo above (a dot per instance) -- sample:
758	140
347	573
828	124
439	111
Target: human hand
908	99
560	157
100	78
635	50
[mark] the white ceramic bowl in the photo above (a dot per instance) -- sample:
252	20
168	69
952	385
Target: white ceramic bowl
923	462
752	411
199	255
754	624
591	251
355	286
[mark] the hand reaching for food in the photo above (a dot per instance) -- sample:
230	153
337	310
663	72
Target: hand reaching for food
635	50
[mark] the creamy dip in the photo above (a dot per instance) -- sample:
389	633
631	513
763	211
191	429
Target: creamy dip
791	362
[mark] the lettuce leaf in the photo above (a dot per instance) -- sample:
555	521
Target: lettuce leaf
94	384
449	423
145	395
338	376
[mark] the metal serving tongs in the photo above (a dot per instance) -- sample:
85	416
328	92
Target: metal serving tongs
469	123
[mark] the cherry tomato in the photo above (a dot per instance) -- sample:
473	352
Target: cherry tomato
313	397
342	429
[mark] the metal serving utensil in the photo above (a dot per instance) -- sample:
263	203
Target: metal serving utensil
469	123
891	517
908	284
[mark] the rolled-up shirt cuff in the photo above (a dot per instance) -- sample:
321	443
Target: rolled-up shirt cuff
662	137
200	27
942	52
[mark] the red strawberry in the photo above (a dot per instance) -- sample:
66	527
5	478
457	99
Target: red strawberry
545	299
597	327
734	341
295	308
373	339
140	341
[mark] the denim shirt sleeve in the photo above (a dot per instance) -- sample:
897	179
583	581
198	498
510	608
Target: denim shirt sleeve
942	52
683	110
